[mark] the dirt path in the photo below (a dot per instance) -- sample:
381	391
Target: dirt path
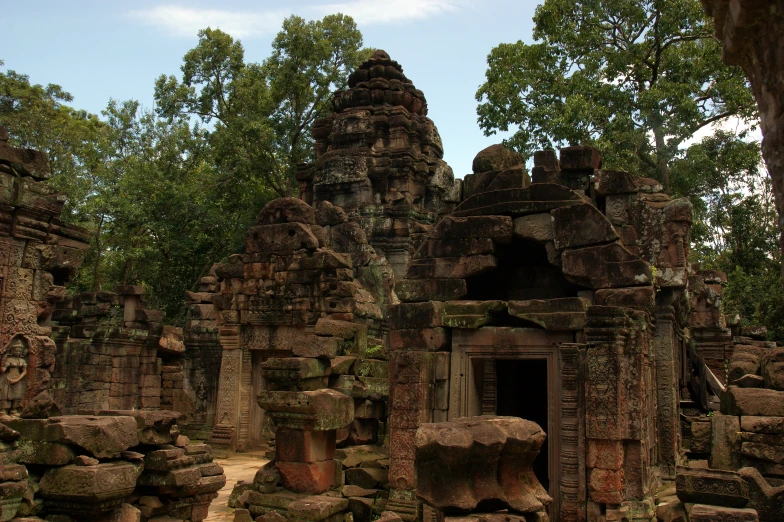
242	466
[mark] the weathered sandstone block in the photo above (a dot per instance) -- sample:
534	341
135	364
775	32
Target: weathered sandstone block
474	460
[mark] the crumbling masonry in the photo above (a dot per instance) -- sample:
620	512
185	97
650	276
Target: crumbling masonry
405	346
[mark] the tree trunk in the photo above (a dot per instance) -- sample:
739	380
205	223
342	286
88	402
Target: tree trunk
662	159
98	250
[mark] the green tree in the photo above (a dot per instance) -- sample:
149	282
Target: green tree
165	225
634	77
734	228
38	117
719	174
260	114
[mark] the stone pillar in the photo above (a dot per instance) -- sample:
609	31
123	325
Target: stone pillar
725	442
481	464
227	408
415	337
305	436
572	434
606	415
131	301
667	399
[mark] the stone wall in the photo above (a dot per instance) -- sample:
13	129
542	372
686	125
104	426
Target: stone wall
38	254
301	310
114	353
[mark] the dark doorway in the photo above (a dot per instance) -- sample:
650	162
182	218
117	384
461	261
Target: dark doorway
521	386
523	272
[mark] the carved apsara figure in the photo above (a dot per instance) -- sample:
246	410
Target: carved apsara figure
13	370
201	394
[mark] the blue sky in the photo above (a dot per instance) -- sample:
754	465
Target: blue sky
99	50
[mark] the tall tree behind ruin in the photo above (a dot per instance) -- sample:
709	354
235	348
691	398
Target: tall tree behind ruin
734	227
637	78
163	194
260	114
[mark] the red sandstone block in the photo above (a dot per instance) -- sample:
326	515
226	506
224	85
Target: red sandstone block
606	486
150	402
304	446
415	315
605	454
304	477
411	396
401	474
401	442
422	339
412	367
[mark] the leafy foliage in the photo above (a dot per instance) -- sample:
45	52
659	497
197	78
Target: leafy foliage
734	226
261	113
165	194
634	77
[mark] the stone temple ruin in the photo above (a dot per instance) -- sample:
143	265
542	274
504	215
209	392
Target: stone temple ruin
404	345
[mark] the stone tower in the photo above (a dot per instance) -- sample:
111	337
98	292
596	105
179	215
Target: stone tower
379	157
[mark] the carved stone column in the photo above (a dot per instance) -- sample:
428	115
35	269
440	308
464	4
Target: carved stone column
666	391
572	433
227	408
305	436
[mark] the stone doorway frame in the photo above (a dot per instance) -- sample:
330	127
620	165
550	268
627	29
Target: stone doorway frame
499	343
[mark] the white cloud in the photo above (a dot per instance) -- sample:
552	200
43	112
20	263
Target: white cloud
375	12
187	21
733	124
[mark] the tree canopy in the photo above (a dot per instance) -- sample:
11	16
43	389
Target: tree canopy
637	78
166	193
261	113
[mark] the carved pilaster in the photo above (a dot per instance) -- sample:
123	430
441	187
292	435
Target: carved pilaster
666	364
227	408
572	455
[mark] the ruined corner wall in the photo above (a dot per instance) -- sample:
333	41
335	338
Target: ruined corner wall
38	254
115	354
301	310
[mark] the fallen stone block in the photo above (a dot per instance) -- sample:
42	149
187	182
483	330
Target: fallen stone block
752	401
367	478
768	501
703	513
308	477
314	509
711	486
97	485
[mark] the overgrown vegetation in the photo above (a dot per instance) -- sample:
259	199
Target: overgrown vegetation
167	193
